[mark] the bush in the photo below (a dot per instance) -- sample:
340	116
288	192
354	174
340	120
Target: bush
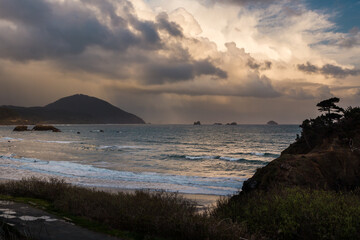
295	213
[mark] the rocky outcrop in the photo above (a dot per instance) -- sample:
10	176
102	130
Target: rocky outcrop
20	128
197	123
334	165
233	123
45	128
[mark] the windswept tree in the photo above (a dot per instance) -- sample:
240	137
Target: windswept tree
333	112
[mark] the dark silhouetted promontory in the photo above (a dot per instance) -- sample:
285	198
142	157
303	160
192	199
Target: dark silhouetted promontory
325	156
76	109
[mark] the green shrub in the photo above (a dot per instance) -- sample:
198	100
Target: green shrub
295	213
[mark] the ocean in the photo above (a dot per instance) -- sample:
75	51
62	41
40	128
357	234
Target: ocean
206	159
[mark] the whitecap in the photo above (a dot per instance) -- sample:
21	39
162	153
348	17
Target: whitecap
201	157
119	147
61	142
230	159
258	153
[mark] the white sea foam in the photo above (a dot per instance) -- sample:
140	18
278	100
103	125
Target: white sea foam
200	157
60	142
230	159
92	176
119	147
258	153
96	131
6	139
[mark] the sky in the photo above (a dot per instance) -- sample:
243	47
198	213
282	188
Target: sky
179	61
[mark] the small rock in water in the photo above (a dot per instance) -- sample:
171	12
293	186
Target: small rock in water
45	128
21	128
197	123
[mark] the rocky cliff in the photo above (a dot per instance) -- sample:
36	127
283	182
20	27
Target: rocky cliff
326	156
332	165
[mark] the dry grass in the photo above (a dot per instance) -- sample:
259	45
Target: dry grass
162	214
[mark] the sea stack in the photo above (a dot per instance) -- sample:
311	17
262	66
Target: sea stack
272	123
197	123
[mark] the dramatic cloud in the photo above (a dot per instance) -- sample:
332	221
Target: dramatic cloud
51	29
160	72
165	59
328	70
79	35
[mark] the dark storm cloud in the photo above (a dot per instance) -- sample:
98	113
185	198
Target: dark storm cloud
328	70
253	65
108	7
49	30
102	37
259	66
237	2
255	86
172	28
176	71
25	11
267	65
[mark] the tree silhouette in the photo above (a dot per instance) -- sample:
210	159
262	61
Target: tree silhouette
332	110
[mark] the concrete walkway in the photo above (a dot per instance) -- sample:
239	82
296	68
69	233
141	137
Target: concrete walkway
40	225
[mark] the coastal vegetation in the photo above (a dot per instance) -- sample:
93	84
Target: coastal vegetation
335	123
149	215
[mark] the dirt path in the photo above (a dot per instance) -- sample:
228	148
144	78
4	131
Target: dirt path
40	225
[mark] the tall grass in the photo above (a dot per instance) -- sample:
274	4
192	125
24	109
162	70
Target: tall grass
161	214
9	233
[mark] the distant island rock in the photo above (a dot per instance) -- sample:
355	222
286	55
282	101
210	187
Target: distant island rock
197	123
233	123
76	109
272	123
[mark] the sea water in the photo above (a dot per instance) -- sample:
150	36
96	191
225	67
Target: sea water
206	159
